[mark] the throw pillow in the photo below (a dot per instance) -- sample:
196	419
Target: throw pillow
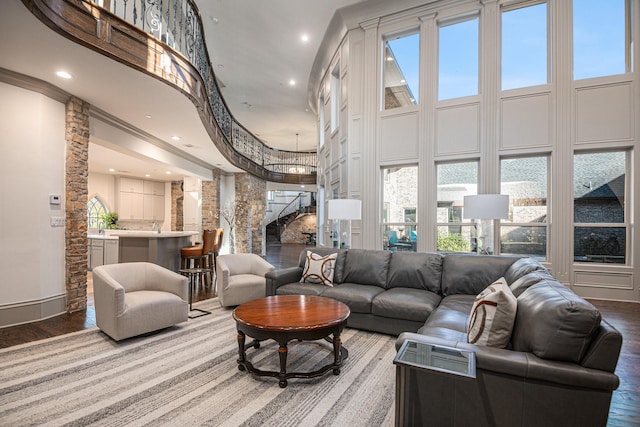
492	316
319	269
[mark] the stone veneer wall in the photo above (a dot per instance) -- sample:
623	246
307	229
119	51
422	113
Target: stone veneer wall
293	232
76	187
177	198
251	200
211	201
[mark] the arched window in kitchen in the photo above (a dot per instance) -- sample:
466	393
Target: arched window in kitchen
95	210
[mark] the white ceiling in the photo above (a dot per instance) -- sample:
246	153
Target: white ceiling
255	47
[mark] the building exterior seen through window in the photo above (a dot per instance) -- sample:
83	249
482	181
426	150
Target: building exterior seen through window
599	209
400	199
401	70
525	232
455	180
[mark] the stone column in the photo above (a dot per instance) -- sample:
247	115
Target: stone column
76	184
211	201
251	194
177	198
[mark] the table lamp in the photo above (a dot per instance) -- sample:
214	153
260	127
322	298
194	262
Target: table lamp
344	209
485	209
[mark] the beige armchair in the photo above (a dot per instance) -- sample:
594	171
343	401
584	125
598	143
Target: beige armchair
241	278
138	297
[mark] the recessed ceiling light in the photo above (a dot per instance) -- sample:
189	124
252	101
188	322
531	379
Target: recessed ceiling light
63	74
112	170
302	186
403	81
147	175
168	172
304	38
292	82
148	116
176	138
389	58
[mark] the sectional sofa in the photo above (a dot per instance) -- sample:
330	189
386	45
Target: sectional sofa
557	369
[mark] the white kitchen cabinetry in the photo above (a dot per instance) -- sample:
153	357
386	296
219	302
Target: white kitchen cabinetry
110	251
153	209
141	200
96	253
131	206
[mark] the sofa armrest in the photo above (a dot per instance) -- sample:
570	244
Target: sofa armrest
525	366
275	279
108	295
161	279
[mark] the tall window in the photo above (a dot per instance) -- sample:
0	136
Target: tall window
95	211
525	232
335	98
400	199
401	70
458	60
600	33
455	180
524	46
600	213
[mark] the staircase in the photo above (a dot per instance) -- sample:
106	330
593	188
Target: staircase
284	208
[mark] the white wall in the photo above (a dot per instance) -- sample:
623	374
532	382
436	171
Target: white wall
32	159
103	186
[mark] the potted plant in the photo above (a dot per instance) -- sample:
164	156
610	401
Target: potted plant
110	220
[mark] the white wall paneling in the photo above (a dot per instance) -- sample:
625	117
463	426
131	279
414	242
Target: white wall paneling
526	122
604	113
399	137
458	130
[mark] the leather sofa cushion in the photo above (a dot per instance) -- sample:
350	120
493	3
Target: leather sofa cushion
522	267
357	297
367	267
415	270
452	313
554	323
405	304
299	288
528	280
471	274
339	266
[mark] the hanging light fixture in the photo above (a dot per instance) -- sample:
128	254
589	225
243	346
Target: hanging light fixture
298	169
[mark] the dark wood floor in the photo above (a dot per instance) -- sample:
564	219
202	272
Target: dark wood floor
625	405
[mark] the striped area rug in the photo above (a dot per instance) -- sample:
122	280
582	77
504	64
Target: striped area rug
187	376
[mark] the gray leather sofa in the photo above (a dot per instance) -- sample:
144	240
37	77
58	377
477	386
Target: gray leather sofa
557	370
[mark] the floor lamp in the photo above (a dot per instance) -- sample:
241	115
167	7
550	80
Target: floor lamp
347	210
486	208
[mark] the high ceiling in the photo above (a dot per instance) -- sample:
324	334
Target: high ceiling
256	49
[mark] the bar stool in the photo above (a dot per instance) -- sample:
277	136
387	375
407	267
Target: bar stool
194	275
198	257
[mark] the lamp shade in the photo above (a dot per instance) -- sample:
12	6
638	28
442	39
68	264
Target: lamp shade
345	209
486	206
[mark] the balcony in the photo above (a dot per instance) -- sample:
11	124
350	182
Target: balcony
164	39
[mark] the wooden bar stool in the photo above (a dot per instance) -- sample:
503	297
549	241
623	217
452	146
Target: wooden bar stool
198	257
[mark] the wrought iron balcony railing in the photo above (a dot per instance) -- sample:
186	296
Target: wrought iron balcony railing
177	26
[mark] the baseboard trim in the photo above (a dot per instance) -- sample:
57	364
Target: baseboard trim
32	311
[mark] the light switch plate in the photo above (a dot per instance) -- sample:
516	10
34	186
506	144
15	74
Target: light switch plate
57	221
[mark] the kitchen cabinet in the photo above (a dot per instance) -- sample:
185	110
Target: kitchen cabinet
131	206
102	251
141	200
153	187
110	251
96	253
153	207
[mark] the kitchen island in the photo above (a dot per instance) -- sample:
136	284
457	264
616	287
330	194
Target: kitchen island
159	248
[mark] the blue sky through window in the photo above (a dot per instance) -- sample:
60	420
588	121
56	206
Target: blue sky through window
458	60
524	47
406	51
598	38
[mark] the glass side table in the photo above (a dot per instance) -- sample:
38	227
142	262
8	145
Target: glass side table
421	369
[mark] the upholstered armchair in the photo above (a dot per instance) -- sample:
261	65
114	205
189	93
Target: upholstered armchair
138	297
241	278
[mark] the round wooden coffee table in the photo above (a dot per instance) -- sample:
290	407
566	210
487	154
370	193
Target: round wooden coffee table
283	318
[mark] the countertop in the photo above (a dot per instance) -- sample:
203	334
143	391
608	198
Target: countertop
115	234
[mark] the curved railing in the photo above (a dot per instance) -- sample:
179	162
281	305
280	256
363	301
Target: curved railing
176	27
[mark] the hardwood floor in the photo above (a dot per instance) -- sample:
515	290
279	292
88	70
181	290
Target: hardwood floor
625	404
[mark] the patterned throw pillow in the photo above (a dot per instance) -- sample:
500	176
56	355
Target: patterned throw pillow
492	316
319	269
